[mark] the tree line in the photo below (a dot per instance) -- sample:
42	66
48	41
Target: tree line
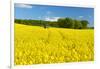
61	22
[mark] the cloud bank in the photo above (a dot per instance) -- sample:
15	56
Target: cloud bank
23	5
52	18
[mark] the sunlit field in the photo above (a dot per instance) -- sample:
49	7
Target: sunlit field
37	45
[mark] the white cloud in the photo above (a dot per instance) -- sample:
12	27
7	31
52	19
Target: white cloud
84	17
49	12
81	16
39	17
90	16
52	18
23	5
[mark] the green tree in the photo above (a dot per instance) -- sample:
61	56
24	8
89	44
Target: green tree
61	22
66	22
84	24
69	23
77	24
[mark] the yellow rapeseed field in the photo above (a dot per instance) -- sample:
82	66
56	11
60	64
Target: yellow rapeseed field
36	45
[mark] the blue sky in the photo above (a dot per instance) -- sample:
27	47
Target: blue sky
52	13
